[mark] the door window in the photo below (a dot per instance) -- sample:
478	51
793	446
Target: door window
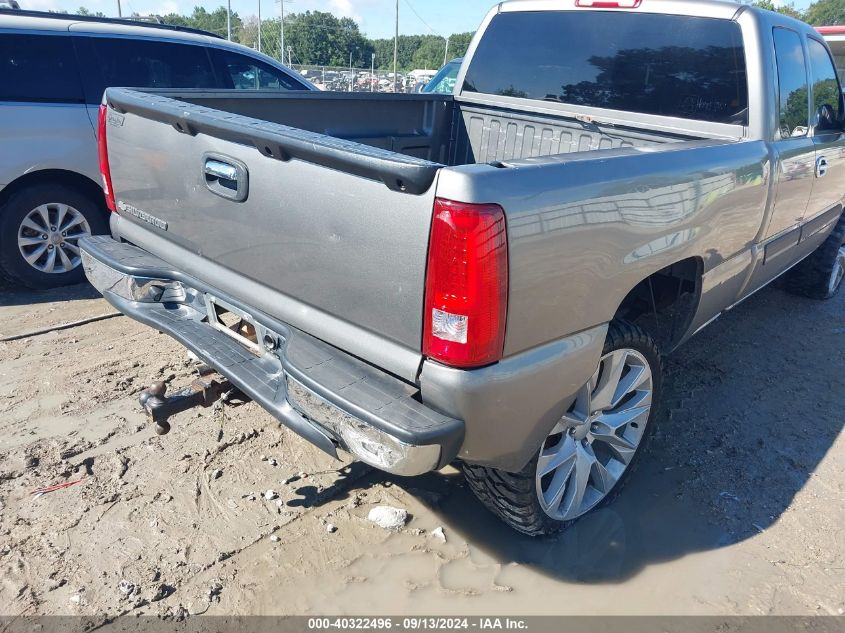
144	63
39	68
246	73
827	95
793	94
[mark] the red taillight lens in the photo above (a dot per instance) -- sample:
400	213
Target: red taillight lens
466	286
609	4
103	150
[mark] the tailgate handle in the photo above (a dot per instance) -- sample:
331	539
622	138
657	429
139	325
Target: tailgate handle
225	177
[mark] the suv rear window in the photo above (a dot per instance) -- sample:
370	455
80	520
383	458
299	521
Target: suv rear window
677	66
38	68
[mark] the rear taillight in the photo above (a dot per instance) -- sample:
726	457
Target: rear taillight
466	286
609	4
103	150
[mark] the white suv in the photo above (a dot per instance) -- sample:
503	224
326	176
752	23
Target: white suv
54	70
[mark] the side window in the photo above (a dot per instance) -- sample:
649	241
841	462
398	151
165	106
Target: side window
827	95
793	95
245	73
143	63
39	68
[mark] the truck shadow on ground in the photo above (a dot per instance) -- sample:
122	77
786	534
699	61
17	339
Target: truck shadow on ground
751	406
15	295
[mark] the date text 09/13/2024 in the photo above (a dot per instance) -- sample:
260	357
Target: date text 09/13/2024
417	623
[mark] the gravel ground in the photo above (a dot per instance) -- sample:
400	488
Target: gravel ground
739	508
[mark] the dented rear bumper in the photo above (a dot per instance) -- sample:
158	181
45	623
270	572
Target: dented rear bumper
330	398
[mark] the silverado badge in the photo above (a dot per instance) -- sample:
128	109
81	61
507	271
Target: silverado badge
142	215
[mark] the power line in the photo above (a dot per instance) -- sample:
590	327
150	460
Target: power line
419	17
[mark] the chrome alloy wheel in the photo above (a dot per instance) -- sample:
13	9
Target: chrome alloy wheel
48	237
594	442
838	272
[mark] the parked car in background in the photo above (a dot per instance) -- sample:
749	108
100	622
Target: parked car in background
492	276
418	79
443	83
53	71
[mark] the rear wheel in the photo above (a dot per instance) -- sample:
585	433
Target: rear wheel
40	229
585	460
820	275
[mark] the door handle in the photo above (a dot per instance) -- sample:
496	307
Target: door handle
821	166
220	170
225	176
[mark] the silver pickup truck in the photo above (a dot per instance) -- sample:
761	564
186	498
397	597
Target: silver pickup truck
489	278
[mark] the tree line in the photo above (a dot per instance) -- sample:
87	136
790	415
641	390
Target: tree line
820	13
323	39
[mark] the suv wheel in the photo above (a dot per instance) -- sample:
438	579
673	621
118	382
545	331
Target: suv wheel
40	229
584	461
820	275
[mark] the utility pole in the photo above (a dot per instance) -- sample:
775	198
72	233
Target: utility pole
372	70
259	26
229	20
119	12
282	31
290	55
446	54
351	74
396	49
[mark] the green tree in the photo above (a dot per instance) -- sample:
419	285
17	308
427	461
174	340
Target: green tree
79	11
431	53
320	38
213	22
175	19
786	9
384	53
459	43
826	12
420	51
794	114
408	46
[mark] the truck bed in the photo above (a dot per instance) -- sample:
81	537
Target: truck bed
334	230
435	128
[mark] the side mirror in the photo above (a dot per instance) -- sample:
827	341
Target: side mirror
826	119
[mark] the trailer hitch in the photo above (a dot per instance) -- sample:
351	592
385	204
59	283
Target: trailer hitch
202	392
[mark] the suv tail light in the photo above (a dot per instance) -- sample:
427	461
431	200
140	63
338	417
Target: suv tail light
466	286
103	151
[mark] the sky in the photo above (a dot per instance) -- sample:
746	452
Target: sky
376	17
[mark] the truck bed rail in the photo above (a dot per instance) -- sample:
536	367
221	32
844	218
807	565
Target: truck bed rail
399	172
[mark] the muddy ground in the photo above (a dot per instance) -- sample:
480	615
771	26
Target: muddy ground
739	508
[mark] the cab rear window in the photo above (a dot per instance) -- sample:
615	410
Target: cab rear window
668	65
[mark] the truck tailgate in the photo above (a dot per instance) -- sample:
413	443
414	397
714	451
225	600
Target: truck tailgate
343	239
